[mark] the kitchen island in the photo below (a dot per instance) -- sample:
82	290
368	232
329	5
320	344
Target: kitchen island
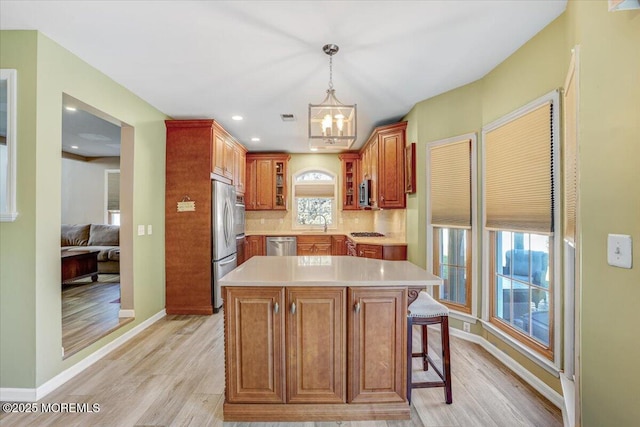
318	338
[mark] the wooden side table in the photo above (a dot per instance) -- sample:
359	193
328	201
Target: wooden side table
79	264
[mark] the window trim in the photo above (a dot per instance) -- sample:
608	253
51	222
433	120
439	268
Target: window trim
334	208
473	243
556	248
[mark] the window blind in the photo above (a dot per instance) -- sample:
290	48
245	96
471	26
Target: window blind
314	189
113	191
450	184
570	160
519	173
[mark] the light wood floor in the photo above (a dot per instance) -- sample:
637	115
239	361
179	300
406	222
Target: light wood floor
90	311
172	374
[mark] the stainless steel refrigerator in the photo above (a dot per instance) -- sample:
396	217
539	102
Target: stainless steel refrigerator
224	237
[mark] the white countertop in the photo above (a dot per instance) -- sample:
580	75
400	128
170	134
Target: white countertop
327	271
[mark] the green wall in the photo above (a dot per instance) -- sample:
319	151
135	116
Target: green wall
18	239
30	343
609	168
609	156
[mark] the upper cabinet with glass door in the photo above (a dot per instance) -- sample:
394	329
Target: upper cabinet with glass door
8	128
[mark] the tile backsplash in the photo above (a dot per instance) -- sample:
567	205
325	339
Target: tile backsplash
389	222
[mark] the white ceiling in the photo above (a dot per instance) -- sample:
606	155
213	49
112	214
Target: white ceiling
259	59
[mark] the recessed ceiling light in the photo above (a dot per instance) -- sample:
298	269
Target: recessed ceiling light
313	149
255	139
75	147
69	108
237	118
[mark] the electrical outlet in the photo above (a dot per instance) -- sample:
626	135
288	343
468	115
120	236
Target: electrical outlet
341	220
149	229
356	220
281	221
262	221
140	229
466	327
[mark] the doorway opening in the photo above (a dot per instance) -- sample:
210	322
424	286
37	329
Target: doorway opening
96	225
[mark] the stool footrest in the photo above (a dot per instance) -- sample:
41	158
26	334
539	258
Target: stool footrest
428	384
435	368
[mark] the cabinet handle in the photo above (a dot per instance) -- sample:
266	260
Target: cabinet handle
361	253
381	198
357	307
293	308
276	308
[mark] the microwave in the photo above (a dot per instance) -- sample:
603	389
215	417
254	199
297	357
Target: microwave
364	194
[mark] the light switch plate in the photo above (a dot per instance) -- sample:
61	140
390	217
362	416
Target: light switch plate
619	250
140	230
149	229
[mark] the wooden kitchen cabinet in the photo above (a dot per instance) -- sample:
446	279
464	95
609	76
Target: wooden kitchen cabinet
370	251
255	345
266	181
239	168
223	147
338	245
387	252
292	350
391	144
350	180
192	155
377	345
254	246
316	345
264	184
383	163
313	245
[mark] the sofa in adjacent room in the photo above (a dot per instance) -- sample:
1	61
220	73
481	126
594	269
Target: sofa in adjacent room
102	237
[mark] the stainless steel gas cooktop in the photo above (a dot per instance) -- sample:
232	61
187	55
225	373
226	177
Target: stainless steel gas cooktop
366	234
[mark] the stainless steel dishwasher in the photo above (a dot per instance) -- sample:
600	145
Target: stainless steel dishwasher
281	246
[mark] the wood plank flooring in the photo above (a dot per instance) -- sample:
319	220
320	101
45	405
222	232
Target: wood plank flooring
90	311
172	374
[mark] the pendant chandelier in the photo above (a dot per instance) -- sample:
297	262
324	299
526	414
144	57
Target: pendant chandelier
332	124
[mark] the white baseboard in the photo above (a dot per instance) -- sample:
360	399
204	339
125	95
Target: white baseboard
34	394
17	394
553	396
569	410
126	313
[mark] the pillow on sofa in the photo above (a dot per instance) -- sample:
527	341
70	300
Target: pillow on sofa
74	235
104	235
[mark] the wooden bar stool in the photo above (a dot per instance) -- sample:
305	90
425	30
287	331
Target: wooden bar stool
427	311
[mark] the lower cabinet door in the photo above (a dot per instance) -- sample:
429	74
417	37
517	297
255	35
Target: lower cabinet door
377	328
254	338
316	345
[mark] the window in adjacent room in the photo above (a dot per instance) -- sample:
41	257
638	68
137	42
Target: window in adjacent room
112	196
520	181
314	195
450	218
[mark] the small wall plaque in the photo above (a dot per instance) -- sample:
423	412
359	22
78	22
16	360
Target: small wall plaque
186	205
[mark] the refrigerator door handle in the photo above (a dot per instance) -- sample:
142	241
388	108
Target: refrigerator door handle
228	224
229	261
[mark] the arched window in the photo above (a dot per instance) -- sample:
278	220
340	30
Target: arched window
314	198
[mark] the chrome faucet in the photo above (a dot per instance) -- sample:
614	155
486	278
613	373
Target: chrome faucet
324	221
